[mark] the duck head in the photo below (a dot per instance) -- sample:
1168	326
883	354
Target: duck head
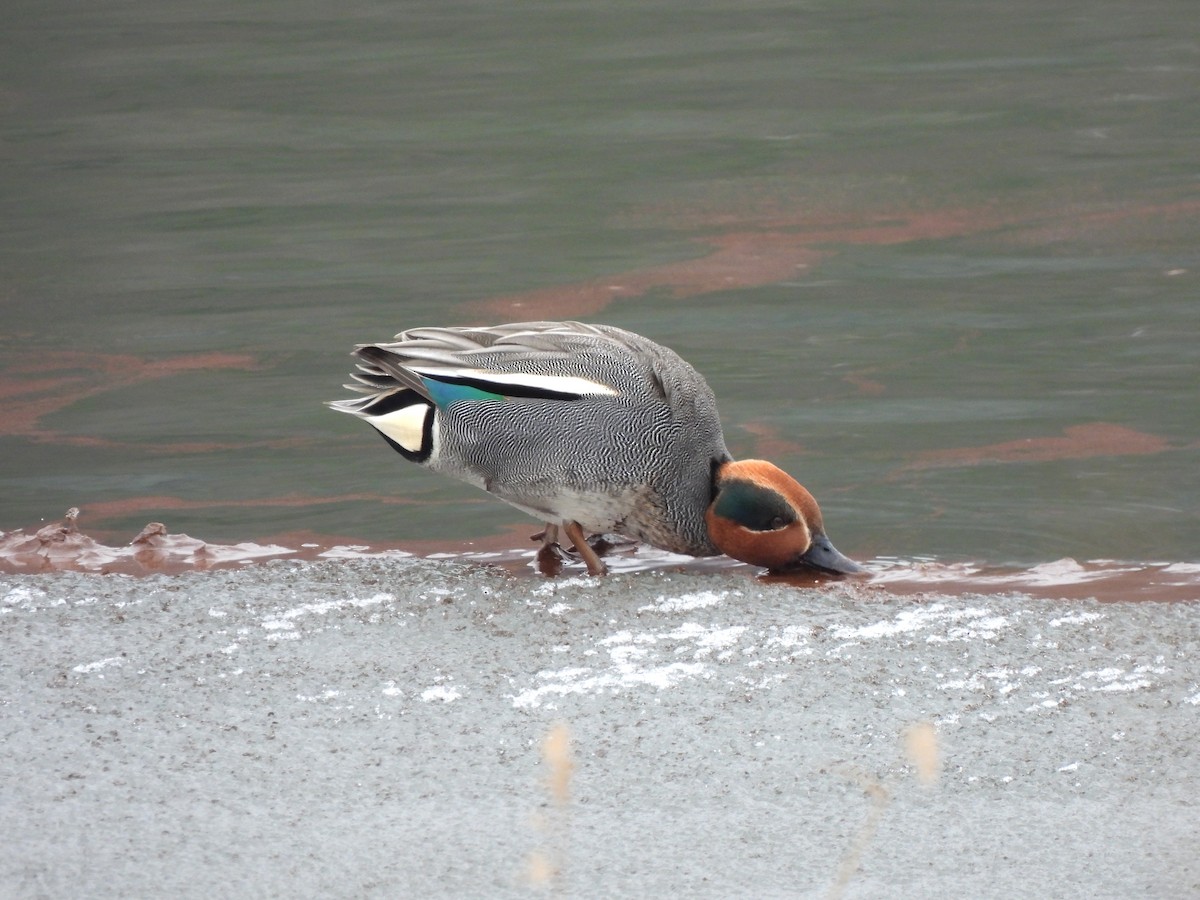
763	516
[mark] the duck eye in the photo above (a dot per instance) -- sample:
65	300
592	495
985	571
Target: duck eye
776	523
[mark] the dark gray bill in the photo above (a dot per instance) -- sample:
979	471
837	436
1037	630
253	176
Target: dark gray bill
823	555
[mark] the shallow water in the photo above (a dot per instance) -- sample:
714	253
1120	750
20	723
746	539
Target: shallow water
949	282
61	547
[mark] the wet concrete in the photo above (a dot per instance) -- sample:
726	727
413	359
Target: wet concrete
373	728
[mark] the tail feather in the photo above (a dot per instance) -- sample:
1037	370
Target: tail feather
385	363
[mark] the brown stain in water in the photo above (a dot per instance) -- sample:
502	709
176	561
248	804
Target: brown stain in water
1076	442
733	261
767	242
778	250
769	443
36	385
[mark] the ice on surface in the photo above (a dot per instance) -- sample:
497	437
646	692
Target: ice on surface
377	694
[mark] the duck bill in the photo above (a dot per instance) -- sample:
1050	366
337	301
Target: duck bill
821	554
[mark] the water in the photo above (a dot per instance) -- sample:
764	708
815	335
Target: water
939	262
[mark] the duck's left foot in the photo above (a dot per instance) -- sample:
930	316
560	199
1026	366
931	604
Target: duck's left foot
550	555
550	560
594	565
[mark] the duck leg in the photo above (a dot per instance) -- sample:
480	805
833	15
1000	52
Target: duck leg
550	555
548	535
583	548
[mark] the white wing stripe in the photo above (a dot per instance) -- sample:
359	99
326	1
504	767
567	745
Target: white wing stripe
566	384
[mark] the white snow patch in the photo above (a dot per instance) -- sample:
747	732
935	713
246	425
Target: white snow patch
85	668
906	621
621	637
684	632
639	660
718	639
315	698
969	623
21	596
286	619
962	684
790	636
570	681
685	602
1078	618
550	588
985	628
441	692
1135	684
624	655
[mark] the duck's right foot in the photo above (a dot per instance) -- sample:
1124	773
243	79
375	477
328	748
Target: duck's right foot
594	564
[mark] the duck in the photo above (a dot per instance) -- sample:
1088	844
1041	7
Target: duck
588	428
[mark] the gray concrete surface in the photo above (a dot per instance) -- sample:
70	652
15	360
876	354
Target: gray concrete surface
374	729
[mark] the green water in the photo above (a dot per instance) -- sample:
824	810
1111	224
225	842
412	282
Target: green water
993	212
